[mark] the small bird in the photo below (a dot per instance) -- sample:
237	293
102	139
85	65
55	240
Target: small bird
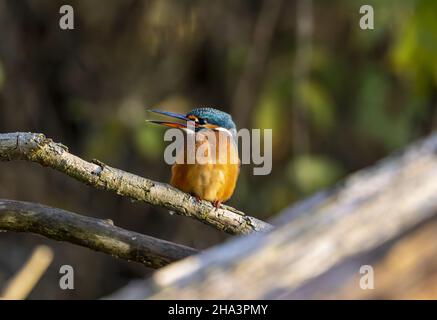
212	179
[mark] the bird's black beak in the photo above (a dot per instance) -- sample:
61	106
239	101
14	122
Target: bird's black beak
169	123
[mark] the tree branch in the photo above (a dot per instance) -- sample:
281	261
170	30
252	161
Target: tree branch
99	235
37	148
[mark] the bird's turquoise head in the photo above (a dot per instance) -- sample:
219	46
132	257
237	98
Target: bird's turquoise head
213	117
203	118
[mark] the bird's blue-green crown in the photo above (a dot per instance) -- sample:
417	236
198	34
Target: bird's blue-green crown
214	116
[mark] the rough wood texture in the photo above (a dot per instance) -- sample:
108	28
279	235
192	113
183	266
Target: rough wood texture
99	235
407	269
37	148
369	209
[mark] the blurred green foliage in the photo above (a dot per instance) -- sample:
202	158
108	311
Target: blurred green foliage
319	105
310	173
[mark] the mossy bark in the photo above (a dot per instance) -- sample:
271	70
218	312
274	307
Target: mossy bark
99	235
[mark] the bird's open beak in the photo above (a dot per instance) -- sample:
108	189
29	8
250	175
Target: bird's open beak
183	125
170	123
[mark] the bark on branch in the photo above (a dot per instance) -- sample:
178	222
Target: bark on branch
96	234
37	148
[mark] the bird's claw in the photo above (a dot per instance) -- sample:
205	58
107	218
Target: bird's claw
217	204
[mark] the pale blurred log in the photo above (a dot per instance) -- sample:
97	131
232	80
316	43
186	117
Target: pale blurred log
24	281
371	209
407	269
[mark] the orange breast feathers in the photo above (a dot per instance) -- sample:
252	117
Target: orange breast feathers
214	175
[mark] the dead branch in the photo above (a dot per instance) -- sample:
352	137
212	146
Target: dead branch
99	235
37	148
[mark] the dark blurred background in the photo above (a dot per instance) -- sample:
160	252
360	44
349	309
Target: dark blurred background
338	98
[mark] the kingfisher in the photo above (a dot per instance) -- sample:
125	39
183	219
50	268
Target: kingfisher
214	177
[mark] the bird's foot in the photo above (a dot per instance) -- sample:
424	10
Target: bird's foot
217	204
196	199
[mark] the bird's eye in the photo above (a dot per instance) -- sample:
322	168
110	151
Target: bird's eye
202	121
193	118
